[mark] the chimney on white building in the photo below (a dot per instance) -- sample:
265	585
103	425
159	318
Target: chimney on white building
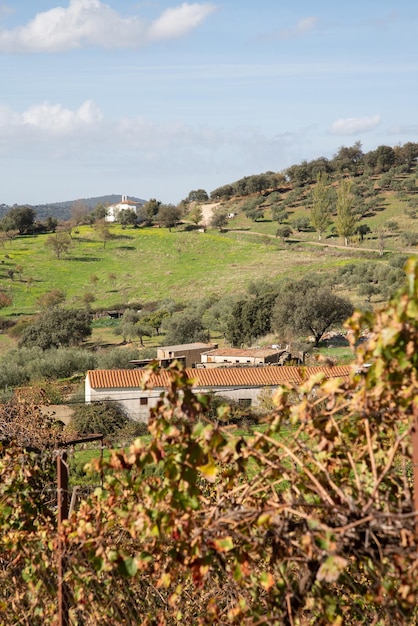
124	198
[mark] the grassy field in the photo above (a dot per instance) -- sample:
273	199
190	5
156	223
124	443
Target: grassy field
150	264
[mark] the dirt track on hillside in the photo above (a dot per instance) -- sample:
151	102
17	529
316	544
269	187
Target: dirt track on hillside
207	212
326	244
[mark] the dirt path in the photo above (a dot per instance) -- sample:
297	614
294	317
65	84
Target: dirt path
207	212
326	244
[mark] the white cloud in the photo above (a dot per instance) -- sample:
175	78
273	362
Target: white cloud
179	21
354	125
49	120
45	131
93	23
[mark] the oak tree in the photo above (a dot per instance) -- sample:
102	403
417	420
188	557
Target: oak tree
303	309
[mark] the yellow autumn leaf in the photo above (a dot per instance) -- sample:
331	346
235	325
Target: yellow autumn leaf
164	581
209	471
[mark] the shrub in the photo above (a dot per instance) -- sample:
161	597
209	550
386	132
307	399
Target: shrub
106	418
57	327
129	432
410	238
226	411
12	375
61	363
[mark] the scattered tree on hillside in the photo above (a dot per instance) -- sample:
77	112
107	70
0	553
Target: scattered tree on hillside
99	213
216	316
252	208
127	217
79	213
185	327
102	231
368	290
51	298
168	216
362	230
196	214
346	218
279	213
5	300
302	309
249	319
283	232
59	243
381	159
381	240
349	159
199	195
87	299
300	174
155	319
219	219
133	325
51	223
94	279
57	327
258	183
148	211
321	208
301	223
20	218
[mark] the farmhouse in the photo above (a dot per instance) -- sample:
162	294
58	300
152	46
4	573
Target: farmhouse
114	209
138	390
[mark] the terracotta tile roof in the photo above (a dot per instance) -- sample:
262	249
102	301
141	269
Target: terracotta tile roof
217	377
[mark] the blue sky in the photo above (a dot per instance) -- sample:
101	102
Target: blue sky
156	98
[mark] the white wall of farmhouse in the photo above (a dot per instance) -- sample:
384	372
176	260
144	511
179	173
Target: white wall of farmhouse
135	402
138	402
241	360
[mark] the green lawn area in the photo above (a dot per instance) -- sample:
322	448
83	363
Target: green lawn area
149	264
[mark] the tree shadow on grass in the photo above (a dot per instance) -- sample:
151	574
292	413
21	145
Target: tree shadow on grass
125	248
83	259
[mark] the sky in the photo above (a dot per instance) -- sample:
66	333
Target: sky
156	98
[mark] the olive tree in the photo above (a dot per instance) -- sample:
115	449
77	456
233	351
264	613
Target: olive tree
59	243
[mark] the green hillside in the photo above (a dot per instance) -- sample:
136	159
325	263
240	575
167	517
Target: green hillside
270	237
148	264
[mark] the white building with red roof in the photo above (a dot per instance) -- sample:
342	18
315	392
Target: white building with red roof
114	210
138	390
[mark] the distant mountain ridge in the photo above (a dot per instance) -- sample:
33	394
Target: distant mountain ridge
62	210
